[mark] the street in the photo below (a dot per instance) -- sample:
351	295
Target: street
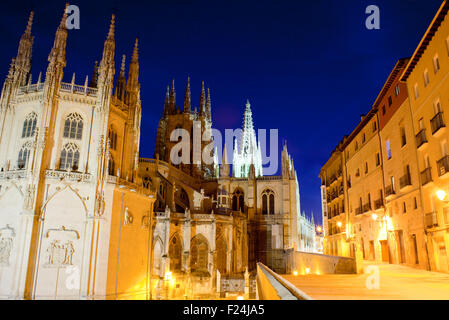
396	282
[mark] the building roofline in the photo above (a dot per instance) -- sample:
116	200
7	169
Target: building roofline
428	35
395	72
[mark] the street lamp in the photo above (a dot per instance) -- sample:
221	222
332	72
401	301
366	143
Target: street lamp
319	229
441	195
339	224
374	216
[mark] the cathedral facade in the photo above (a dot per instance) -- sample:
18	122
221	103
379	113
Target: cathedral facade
82	216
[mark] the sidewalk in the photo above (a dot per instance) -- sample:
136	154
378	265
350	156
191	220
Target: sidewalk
396	283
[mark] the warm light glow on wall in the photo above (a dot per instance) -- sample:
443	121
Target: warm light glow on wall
374	216
240	298
307	270
441	194
295	273
339	224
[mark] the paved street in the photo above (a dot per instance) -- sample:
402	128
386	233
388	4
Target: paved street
396	283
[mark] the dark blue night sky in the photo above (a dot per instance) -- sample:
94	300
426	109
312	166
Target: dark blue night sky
309	68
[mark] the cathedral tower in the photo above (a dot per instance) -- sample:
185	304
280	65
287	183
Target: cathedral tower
248	152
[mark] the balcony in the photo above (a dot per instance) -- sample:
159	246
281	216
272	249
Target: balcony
389	190
421	138
443	165
405	181
379	203
431	220
437	122
366	207
426	176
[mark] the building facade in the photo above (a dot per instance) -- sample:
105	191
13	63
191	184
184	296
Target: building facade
63	182
395	164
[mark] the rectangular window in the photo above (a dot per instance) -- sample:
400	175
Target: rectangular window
377	159
403	137
366	167
404	207
390	101
397	90
437	107
415	203
444	149
388	147
426	78
436	63
416	91
363	138
447	45
383	109
421	124
374	126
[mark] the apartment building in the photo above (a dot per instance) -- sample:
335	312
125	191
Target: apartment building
427	79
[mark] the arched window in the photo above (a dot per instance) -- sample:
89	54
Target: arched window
199	251
157	257
268	202
238	201
111	166
264	204
112	139
175	254
24	154
70	156
221	255
73	126
29	125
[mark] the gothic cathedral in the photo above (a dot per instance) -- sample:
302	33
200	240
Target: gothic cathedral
83	217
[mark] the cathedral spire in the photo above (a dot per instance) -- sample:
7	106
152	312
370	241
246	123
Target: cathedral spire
29	24
187	98
57	59
208	106
250	152
172	99
24	54
167	102
93	81
121	81
202	101
248	117
133	85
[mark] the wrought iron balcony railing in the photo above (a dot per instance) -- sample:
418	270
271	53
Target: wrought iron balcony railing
366	207
405	181
437	122
379	203
426	176
443	165
421	138
431	220
389	190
